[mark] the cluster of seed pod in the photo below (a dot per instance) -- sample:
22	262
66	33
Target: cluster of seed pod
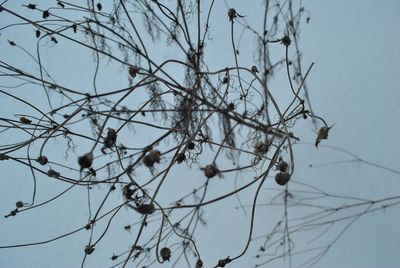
282	177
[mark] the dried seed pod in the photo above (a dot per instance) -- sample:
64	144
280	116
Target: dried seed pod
231	107
199	263
282	178
232	14
133	71
109	140
89	249
42	160
25	120
282	165
180	158
254	69
165	254
154	156
211	171
261	148
190	146
146	209
19	204
223	262
12	213
86	160
147	161
53	173
286	41
45	14
322	135
128	191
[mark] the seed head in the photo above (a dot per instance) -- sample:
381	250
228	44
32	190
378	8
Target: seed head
86	160
322	134
199	263
89	249
133	71
42	160
180	158
146	209
154	156
282	165
232	14
52	173
254	69
211	171
282	178
260	148
165	254
286	41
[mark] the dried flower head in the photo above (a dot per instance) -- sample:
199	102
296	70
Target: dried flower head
165	253
42	160
282	178
211	171
85	161
45	14
282	165
19	204
109	140
232	14
286	40
89	249
190	146
322	134
133	71
145	209
128	190
199	263
261	148
25	120
180	158
154	156
223	262
231	106
52	173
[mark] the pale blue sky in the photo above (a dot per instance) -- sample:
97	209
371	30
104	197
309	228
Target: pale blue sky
354	84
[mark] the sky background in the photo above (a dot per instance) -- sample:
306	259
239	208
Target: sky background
354	84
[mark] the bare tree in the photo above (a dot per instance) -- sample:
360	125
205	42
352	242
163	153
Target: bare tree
146	121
